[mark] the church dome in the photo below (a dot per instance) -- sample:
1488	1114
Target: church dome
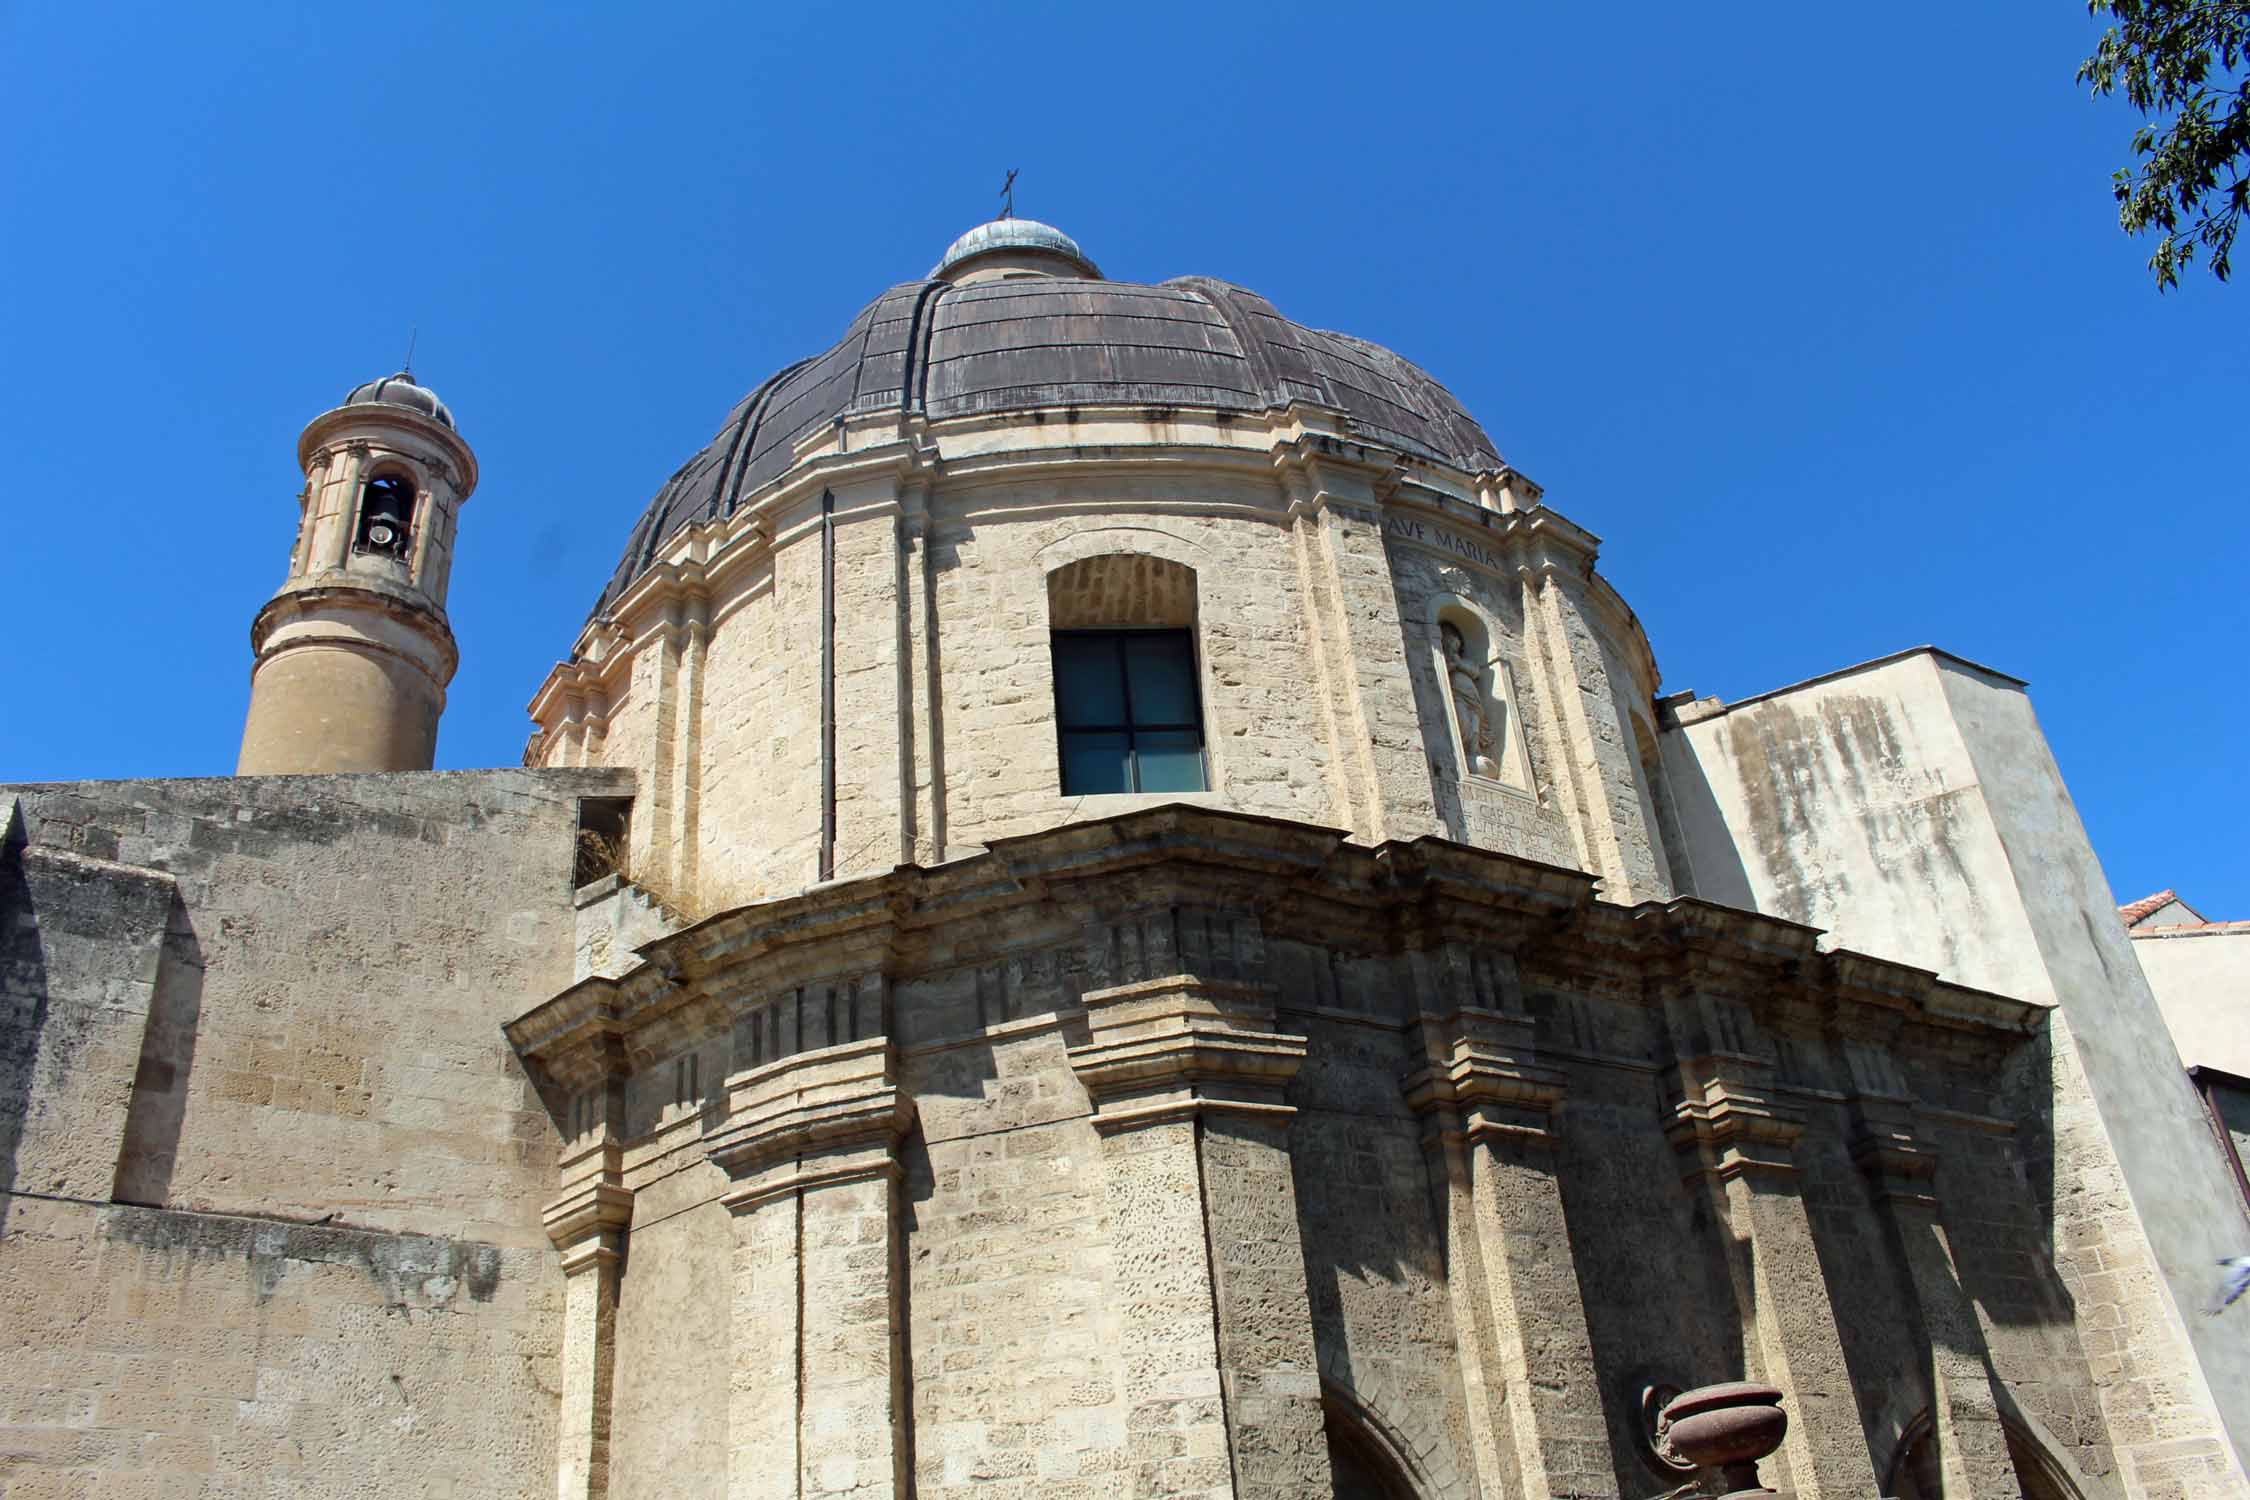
941	348
400	390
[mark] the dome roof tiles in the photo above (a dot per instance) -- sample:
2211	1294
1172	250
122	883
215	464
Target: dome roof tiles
1043	342
400	390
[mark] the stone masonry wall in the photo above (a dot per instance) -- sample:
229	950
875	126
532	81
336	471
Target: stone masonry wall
339	1275
160	1353
1313	644
1084	1300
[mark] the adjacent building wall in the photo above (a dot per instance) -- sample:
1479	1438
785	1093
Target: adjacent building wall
2200	976
272	1175
1911	807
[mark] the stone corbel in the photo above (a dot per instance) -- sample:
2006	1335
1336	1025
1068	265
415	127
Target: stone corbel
1728	1123
829	1115
595	1206
1899	1164
1518	492
1486	1073
1176	1047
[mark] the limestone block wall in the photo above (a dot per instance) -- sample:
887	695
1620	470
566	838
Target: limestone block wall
1182	1152
161	1352
294	1242
1912	807
853	670
1266	751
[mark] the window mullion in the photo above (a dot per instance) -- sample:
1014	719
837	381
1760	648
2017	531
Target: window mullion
1125	688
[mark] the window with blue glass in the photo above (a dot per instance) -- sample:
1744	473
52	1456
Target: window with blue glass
1129	716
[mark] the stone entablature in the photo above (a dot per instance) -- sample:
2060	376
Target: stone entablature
1184	1011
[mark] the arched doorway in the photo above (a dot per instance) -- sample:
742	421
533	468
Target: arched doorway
1915	1474
1366	1461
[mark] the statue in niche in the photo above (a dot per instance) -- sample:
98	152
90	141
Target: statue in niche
1469	705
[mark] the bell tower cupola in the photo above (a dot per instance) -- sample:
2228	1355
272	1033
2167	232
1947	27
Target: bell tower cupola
353	652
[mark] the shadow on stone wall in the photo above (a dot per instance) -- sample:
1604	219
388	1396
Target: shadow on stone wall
1695	835
160	1080
23	1000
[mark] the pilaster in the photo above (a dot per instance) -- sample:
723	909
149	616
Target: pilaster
1737	1141
1901	1168
1359	652
339	548
817	1401
587	1223
1187	1076
1596	763
921	718
1489	1108
872	709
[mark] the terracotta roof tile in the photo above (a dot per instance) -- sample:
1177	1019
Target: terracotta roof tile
2134	911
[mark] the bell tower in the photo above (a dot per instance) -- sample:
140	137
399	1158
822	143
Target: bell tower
353	651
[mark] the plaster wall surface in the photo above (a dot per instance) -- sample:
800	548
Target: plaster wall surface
2201	979
2233	1108
1911	808
338	706
293	1245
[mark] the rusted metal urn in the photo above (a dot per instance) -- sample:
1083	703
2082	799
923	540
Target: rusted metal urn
1726	1427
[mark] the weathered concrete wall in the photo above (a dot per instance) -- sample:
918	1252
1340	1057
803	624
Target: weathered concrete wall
1911	808
2201	979
160	1352
268	1008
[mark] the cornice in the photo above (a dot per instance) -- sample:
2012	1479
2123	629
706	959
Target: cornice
337	602
348	426
1183	1044
1300	883
834	1100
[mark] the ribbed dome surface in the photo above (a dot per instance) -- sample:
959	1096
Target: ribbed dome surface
400	390
1015	345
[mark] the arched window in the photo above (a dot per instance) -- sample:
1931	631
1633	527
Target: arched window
1128	692
386	515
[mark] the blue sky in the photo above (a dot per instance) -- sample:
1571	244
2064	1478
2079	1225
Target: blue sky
1818	314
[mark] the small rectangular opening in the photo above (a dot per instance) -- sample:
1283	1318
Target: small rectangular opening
604	827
